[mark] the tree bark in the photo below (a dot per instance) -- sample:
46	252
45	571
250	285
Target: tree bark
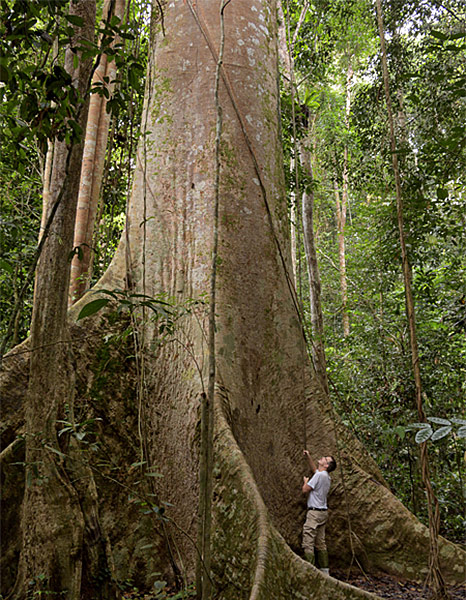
435	577
52	522
95	145
263	379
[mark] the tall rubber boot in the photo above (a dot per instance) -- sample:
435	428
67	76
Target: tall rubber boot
322	561
309	556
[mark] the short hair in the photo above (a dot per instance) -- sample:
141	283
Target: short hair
332	465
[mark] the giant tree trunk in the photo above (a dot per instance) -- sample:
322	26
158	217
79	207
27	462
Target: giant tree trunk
267	402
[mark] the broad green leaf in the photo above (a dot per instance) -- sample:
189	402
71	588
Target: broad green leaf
440	433
400	431
6	266
159	585
458	421
4	73
75	20
92	307
439	35
439	421
461	432
423	434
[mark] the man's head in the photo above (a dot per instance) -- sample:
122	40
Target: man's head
328	463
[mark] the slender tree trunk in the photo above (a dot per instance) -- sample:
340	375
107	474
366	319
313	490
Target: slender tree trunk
285	55
317	319
435	577
46	186
306	202
52	520
47	172
294	238
341	208
95	145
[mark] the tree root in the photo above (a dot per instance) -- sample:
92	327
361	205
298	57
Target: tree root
253	561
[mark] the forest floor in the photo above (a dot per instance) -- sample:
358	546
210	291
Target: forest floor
387	586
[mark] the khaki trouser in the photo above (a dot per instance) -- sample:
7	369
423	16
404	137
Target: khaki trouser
314	531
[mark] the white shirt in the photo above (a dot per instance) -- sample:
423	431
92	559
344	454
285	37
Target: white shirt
320	484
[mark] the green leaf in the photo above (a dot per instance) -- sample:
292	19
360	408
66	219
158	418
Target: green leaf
400	431
440	433
4	73
439	35
77	251
5	266
56	451
439	421
65	430
92	307
461	432
76	127
458	421
75	20
423	434
159	585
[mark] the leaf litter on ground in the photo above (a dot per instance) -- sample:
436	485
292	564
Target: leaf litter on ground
391	587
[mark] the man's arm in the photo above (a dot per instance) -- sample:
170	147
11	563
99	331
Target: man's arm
306	487
311	463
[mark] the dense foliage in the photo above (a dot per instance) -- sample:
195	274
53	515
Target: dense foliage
38	106
370	369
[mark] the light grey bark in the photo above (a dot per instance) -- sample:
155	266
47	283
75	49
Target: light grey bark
317	319
95	145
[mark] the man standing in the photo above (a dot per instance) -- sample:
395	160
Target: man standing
314	528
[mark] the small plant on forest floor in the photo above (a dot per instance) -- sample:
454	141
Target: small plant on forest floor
38	587
161	592
163	308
